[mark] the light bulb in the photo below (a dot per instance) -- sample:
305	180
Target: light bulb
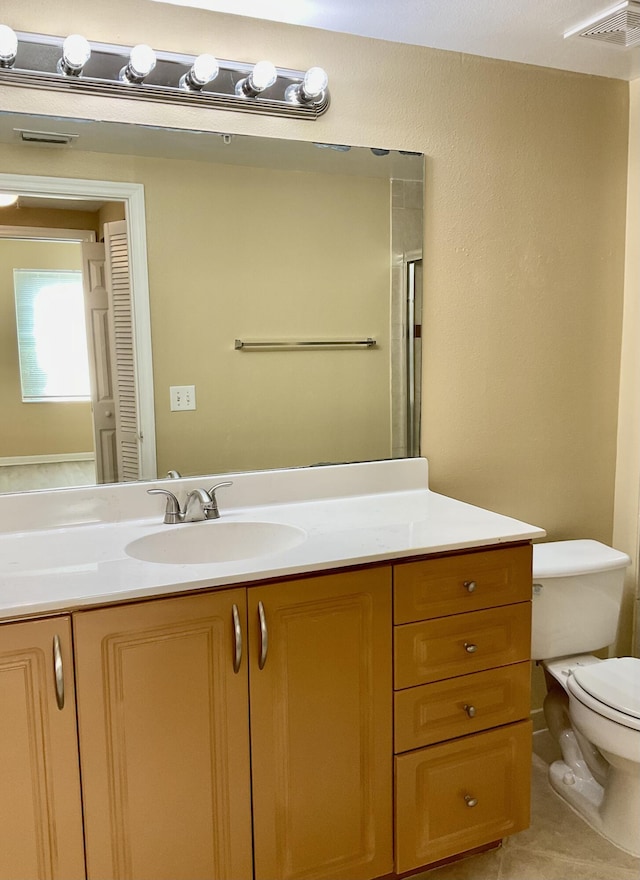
263	75
76	51
7	199
310	90
142	60
203	70
315	82
8	46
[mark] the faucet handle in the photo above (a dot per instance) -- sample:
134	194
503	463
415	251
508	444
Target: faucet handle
212	512
172	513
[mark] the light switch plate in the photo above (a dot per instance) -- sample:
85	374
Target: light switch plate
182	397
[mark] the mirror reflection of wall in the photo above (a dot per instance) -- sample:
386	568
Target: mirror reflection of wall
42	442
260	253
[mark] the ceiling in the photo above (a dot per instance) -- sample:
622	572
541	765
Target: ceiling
530	31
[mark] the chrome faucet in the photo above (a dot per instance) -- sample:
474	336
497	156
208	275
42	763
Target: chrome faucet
200	505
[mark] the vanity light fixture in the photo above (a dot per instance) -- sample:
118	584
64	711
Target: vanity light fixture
8	199
76	51
73	64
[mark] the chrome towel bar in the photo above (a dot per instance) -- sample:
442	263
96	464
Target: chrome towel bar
369	342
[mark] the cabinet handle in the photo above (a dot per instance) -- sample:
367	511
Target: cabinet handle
470	801
264	636
470	586
237	639
470	648
470	710
58	671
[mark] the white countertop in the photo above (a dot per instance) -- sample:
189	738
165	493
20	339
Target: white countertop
84	562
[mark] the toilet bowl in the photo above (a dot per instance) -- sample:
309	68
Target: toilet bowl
592	706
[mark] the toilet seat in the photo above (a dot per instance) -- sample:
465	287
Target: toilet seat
610	688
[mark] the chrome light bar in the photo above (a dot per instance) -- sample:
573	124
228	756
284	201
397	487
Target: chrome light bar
42	62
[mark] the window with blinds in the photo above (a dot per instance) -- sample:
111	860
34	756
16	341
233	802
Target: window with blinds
52	342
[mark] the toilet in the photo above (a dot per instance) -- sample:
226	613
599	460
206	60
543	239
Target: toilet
592	707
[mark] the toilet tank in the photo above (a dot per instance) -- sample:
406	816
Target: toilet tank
577	592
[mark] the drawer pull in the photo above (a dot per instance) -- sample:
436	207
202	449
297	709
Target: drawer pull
470	801
470	710
470	648
470	586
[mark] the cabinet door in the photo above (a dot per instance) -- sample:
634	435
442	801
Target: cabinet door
40	806
164	741
321	726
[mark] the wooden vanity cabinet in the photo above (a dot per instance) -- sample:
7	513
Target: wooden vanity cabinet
40	805
173	778
249	733
462	737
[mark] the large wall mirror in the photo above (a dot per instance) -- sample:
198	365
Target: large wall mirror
249	303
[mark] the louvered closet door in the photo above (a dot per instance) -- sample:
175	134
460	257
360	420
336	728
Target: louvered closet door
122	342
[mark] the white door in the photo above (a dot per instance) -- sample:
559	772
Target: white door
97	319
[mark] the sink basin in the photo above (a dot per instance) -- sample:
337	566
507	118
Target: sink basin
199	543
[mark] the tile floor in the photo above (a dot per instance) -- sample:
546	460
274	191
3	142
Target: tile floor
557	846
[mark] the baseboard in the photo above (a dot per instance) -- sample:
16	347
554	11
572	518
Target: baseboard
57	458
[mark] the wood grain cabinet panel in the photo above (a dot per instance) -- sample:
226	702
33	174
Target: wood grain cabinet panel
467	704
462	794
433	650
164	739
40	805
321	727
460	583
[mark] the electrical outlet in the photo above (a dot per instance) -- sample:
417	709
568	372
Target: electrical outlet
182	397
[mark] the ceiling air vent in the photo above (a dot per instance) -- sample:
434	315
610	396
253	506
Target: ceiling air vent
619	26
44	137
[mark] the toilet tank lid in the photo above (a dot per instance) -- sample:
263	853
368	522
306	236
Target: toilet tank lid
566	558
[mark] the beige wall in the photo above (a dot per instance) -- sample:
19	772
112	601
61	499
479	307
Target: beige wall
524	237
48	218
34	428
627	512
108	213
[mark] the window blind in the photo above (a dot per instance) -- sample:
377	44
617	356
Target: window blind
52	342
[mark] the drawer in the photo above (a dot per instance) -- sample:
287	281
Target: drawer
465	582
458	795
448	709
436	649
